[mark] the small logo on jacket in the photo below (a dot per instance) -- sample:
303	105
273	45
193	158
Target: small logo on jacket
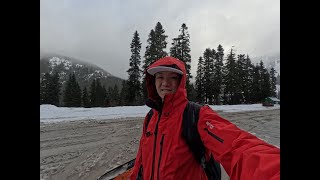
210	125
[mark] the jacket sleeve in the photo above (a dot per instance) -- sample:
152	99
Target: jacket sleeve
243	155
138	161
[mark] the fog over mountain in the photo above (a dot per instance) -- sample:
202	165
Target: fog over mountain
85	72
101	31
272	60
58	60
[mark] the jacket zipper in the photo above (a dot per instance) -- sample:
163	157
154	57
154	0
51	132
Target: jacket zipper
213	135
154	146
140	173
161	145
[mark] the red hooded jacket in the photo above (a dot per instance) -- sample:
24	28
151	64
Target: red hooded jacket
163	153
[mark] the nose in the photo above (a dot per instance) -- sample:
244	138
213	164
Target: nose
165	82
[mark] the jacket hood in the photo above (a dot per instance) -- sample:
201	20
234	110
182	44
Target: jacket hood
179	95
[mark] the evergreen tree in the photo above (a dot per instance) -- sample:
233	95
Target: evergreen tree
154	51
273	82
92	97
160	41
72	92
105	94
278	79
41	92
108	98
50	89
151	51
123	94
265	82
115	95
44	89
99	94
192	92
112	98
150	57
255	86
248	78
181	50
230	78
208	75
242	78
55	87
85	98
134	97
218	74
200	81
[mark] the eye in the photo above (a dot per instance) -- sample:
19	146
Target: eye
175	77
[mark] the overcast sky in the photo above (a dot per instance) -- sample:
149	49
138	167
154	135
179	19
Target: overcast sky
100	31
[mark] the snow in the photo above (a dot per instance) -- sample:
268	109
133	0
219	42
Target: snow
53	114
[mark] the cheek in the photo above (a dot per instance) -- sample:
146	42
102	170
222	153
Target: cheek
175	85
157	85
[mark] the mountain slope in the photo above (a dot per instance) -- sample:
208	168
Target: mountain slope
272	60
85	72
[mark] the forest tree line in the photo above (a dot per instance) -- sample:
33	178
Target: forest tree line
220	79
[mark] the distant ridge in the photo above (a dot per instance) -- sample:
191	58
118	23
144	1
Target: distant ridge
85	72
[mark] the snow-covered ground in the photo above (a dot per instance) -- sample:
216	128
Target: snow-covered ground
51	114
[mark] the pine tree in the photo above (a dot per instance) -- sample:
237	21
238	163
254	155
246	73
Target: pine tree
150	57
54	88
106	97
265	82
248	78
160	41
123	94
134	97
92	97
241	78
85	98
112	99
230	78
208	75
99	94
50	89
218	74
72	92
181	50
115	95
278	79
44	88
273	82
200	81
151	51
154	51
255	86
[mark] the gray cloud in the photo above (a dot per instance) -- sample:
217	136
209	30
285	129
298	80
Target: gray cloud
100	32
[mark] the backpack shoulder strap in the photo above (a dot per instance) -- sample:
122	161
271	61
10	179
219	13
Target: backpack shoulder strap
192	137
190	130
149	115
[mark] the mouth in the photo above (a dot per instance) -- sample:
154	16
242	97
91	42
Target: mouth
166	90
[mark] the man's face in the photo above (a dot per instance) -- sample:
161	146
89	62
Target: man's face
166	82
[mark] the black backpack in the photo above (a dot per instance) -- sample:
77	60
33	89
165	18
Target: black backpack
191	135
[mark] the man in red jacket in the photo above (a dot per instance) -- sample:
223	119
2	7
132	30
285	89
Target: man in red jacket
163	153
